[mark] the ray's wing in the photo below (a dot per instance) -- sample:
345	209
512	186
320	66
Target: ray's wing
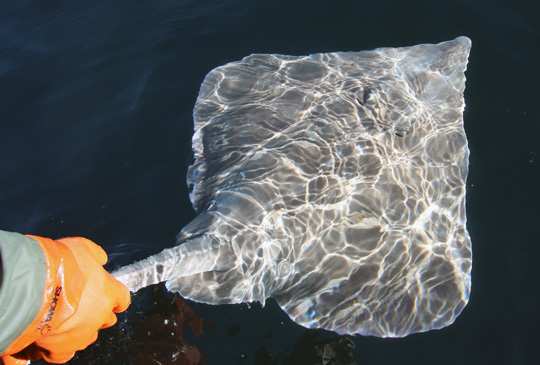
395	258
240	106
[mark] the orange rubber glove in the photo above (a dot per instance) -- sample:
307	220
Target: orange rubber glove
79	299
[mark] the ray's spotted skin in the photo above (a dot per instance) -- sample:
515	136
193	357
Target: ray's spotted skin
334	183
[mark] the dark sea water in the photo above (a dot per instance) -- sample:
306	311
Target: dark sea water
95	140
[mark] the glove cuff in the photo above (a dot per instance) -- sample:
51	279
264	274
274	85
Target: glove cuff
23	274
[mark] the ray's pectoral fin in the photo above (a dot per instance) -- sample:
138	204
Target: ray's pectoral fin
231	278
211	287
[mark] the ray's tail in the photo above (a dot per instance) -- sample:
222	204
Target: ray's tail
153	270
194	256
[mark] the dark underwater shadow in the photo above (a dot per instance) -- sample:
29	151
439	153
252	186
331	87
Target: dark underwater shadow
158	325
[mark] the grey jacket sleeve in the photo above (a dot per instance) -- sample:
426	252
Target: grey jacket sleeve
22	282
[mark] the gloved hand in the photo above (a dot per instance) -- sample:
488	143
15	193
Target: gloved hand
79	299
